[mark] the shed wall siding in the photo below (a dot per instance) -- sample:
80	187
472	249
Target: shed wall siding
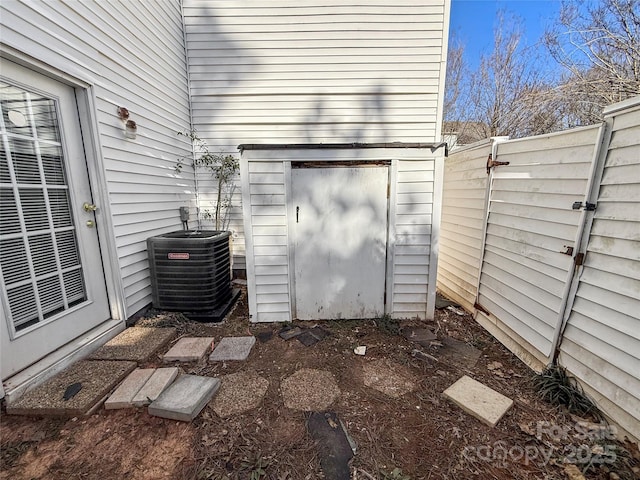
266	184
310	71
132	53
267	211
463	217
601	344
412	227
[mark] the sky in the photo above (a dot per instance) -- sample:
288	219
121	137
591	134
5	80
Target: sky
472	22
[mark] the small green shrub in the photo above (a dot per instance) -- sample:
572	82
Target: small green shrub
557	387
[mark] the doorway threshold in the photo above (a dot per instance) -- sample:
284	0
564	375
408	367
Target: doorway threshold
55	362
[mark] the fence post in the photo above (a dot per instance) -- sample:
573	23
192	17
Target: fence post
582	235
487	199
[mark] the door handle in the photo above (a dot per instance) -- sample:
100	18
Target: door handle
91	223
89	207
297	211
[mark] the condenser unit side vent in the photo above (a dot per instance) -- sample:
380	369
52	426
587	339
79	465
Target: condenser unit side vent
191	273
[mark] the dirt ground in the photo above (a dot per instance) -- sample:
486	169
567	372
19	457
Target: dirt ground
419	435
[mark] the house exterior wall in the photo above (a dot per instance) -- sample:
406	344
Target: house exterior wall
413	204
131	54
310	71
463	219
601	344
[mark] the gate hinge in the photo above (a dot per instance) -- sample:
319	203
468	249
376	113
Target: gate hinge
493	163
578	260
589	207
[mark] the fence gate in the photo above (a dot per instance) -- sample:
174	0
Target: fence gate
535	220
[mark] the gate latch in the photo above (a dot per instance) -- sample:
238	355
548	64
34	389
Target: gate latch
589	207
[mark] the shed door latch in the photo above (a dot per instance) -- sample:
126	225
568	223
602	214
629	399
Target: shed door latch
589	207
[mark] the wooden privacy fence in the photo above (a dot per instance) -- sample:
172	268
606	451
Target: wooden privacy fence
544	249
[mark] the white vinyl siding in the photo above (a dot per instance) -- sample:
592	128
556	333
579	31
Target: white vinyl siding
310	71
266	178
463	217
133	55
268	214
530	224
412	227
601	345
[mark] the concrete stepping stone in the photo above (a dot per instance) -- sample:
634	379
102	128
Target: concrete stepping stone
387	377
123	395
97	379
135	343
185	398
232	348
239	393
188	349
309	390
157	383
477	399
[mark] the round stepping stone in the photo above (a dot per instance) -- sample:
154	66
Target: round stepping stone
239	393
309	390
386	377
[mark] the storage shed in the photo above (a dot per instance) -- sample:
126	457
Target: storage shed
341	231
81	190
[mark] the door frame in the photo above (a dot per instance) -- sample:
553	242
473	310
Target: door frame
84	89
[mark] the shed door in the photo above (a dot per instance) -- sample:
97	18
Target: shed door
51	278
340	241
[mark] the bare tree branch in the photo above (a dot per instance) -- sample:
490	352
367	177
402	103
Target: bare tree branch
599	45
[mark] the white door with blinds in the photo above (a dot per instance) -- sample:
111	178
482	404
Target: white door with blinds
52	282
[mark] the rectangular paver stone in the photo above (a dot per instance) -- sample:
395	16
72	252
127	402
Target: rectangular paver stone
156	384
123	395
135	343
97	378
477	399
185	398
188	349
232	348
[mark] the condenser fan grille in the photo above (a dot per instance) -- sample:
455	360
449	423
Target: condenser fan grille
190	270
